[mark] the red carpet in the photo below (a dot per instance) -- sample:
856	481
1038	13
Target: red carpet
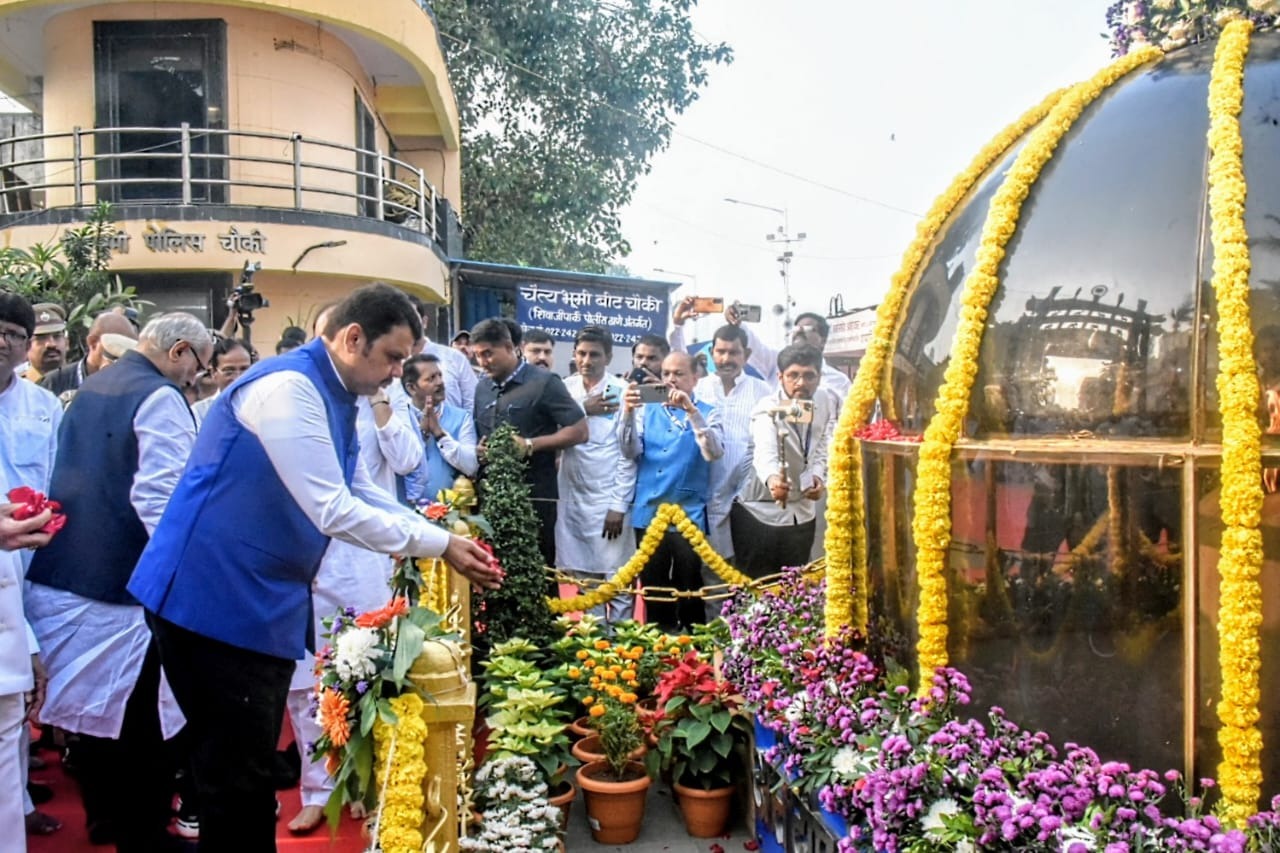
73	838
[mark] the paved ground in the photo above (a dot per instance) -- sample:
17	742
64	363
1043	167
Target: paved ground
663	830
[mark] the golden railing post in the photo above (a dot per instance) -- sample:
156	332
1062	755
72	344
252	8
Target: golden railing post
442	673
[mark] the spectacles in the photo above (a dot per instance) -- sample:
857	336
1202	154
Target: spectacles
14	338
200	365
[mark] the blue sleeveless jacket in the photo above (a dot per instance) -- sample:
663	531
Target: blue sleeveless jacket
671	469
97	459
234	556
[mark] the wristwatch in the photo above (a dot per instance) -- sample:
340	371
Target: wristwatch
528	446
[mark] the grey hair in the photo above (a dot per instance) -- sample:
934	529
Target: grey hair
166	330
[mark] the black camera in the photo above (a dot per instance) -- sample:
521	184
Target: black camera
248	301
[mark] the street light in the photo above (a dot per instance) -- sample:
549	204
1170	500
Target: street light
783	236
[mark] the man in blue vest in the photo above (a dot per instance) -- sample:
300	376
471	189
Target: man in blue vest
226	578
121	448
673	443
448	433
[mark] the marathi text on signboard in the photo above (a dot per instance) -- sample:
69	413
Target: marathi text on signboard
561	310
851	333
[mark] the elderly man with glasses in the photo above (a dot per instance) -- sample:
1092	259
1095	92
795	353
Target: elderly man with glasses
122	446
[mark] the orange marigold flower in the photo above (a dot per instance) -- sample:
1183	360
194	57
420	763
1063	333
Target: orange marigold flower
587	700
589	664
608	675
333	717
602	644
629	675
597	711
637	651
436	511
574	672
627	698
398	606
583	654
684	639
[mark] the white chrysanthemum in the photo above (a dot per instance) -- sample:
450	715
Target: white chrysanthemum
795	711
932	823
354	653
845	762
965	846
1069	835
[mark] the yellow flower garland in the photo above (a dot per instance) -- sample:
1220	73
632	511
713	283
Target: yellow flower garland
668	515
400	781
845	542
1240	594
931	524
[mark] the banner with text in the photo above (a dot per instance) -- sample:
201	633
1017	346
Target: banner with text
561	310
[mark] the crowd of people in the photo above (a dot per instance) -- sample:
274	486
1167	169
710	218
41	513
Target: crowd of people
218	506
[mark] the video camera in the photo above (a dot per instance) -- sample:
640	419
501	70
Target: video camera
247	301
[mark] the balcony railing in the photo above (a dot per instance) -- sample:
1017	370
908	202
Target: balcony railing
187	165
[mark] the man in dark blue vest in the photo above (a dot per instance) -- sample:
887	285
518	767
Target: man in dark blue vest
227	575
121	448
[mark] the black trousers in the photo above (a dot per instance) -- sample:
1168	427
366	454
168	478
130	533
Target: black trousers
673	565
546	510
128	781
761	549
234	701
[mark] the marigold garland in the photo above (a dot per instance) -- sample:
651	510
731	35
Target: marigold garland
400	765
668	515
1240	499
845	542
931	524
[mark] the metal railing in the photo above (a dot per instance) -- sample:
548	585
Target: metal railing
203	165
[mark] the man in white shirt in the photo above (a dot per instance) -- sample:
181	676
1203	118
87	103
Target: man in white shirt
597	483
277	453
122	445
459	377
773	519
29	419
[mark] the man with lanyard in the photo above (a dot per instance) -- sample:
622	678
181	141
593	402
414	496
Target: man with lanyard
121	448
596	481
69	377
734	394
447	433
673	443
535	402
773	519
29	419
226	578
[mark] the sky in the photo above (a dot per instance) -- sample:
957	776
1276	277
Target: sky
882	101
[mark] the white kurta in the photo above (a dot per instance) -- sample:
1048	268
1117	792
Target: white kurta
594	478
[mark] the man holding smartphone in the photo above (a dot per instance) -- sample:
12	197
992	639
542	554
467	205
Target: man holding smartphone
596	481
673	444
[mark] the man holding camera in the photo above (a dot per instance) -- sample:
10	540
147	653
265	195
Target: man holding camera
674	438
773	519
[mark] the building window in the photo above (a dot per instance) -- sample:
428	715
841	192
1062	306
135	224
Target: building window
367	158
201	294
157	75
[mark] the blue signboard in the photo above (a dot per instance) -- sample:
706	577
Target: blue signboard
561	310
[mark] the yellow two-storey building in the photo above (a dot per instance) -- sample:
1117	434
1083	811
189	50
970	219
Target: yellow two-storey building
318	138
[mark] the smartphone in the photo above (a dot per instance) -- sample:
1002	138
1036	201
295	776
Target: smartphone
747	313
640	376
708	304
654	393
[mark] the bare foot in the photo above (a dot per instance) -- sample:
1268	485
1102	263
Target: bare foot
307	820
358	811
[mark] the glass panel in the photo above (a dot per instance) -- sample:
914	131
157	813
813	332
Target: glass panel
1209	537
1092	326
1260	129
933	309
892	590
1066	580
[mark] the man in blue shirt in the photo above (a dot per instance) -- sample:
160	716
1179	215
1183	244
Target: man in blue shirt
673	443
448	433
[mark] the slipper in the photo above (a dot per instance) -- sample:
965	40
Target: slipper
39	823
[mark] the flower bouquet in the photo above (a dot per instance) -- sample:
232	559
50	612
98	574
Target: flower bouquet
517	815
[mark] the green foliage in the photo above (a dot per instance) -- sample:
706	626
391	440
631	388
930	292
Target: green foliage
563	105
519	608
620	734
72	273
527	710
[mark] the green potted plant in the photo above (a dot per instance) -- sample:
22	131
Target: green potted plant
700	738
616	787
517	814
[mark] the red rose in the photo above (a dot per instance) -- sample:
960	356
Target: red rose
32	504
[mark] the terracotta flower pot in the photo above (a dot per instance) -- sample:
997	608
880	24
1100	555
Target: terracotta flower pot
615	810
580	728
706	813
589	749
564	801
